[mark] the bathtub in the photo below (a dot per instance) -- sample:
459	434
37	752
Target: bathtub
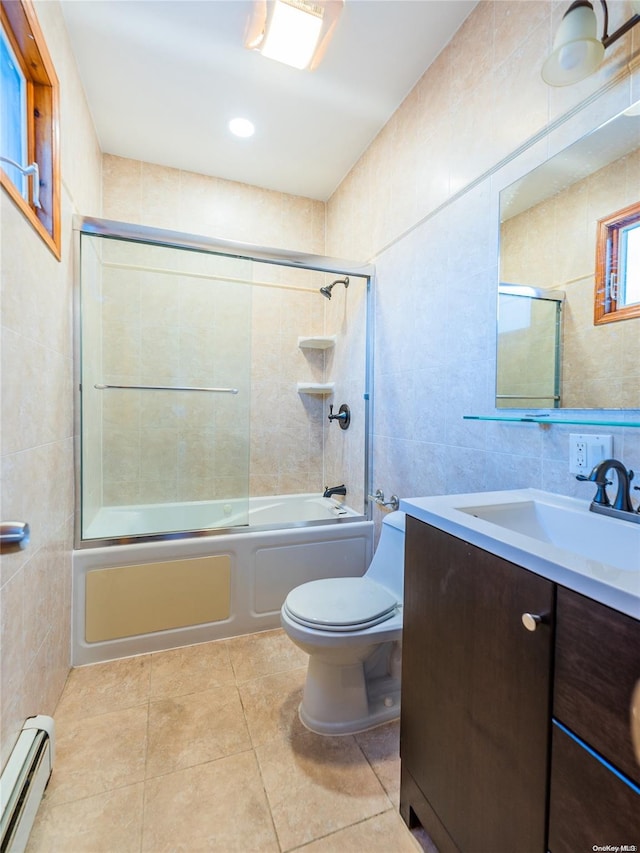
118	522
146	596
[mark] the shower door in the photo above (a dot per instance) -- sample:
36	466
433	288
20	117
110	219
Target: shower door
165	355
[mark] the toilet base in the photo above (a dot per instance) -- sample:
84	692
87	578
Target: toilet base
338	700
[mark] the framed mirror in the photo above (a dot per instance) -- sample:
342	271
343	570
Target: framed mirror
553	351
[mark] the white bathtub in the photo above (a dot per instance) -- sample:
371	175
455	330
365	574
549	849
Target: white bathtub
117	522
258	568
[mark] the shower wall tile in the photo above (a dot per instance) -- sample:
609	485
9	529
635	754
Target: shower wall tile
122	189
146	194
159	195
37	415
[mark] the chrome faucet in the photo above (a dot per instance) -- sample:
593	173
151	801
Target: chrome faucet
622	506
334	490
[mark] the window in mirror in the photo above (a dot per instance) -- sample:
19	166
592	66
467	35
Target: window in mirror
617	293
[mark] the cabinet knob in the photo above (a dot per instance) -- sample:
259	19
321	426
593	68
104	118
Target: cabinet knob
532	620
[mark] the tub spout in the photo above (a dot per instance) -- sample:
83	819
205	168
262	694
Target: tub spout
334	490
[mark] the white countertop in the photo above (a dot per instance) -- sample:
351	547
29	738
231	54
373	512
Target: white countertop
617	587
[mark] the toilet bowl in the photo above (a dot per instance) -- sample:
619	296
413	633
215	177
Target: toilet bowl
351	628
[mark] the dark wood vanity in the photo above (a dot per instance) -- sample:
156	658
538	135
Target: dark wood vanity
513	740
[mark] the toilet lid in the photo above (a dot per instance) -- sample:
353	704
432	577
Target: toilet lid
340	604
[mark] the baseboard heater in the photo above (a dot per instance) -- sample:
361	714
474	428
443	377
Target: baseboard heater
23	781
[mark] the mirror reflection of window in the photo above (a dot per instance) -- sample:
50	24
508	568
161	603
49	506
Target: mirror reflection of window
617	289
631	269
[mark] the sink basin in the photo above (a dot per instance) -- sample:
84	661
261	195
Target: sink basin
574	528
555	536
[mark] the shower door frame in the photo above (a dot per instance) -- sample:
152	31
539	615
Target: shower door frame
98	227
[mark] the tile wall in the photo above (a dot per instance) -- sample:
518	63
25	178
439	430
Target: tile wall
37	415
422	204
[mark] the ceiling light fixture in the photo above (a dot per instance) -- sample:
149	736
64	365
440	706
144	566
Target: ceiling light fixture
295	32
242	127
577	50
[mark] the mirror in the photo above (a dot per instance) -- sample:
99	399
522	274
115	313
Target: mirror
551	354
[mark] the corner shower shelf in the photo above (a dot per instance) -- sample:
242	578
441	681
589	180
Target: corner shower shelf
321	388
317	342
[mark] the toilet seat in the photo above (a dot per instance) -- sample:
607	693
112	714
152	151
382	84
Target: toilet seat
340	604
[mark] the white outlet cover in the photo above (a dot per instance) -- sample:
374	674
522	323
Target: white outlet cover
595	449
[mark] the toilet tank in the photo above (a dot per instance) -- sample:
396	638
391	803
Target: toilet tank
387	566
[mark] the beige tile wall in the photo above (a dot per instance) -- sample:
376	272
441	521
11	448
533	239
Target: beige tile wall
37	416
161	197
286	427
422	204
345	317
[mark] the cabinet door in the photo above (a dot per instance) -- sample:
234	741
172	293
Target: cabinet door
597	666
476	692
590	804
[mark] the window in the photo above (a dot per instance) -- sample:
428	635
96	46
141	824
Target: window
29	158
617	295
14	104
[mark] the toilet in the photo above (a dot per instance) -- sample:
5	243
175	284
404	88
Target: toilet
351	628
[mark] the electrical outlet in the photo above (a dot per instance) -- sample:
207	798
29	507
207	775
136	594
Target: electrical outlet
586	451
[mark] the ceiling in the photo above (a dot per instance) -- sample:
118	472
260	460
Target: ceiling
164	77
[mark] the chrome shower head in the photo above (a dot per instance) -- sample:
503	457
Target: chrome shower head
326	290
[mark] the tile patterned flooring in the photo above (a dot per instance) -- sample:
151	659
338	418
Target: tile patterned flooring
200	749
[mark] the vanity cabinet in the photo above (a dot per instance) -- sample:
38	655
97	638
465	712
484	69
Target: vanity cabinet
476	691
513	741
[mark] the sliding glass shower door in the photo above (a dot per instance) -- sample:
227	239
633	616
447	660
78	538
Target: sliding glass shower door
165	387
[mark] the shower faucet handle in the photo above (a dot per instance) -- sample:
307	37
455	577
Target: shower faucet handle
343	417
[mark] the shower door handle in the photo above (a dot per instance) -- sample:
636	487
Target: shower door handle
14	533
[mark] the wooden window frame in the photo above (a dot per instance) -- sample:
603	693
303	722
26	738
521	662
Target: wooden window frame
607	248
43	108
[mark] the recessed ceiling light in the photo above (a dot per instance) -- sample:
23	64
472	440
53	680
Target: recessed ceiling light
241	127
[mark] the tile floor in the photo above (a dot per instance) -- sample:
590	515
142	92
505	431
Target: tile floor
201	749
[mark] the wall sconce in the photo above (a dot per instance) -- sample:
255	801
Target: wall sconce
577	50
295	32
